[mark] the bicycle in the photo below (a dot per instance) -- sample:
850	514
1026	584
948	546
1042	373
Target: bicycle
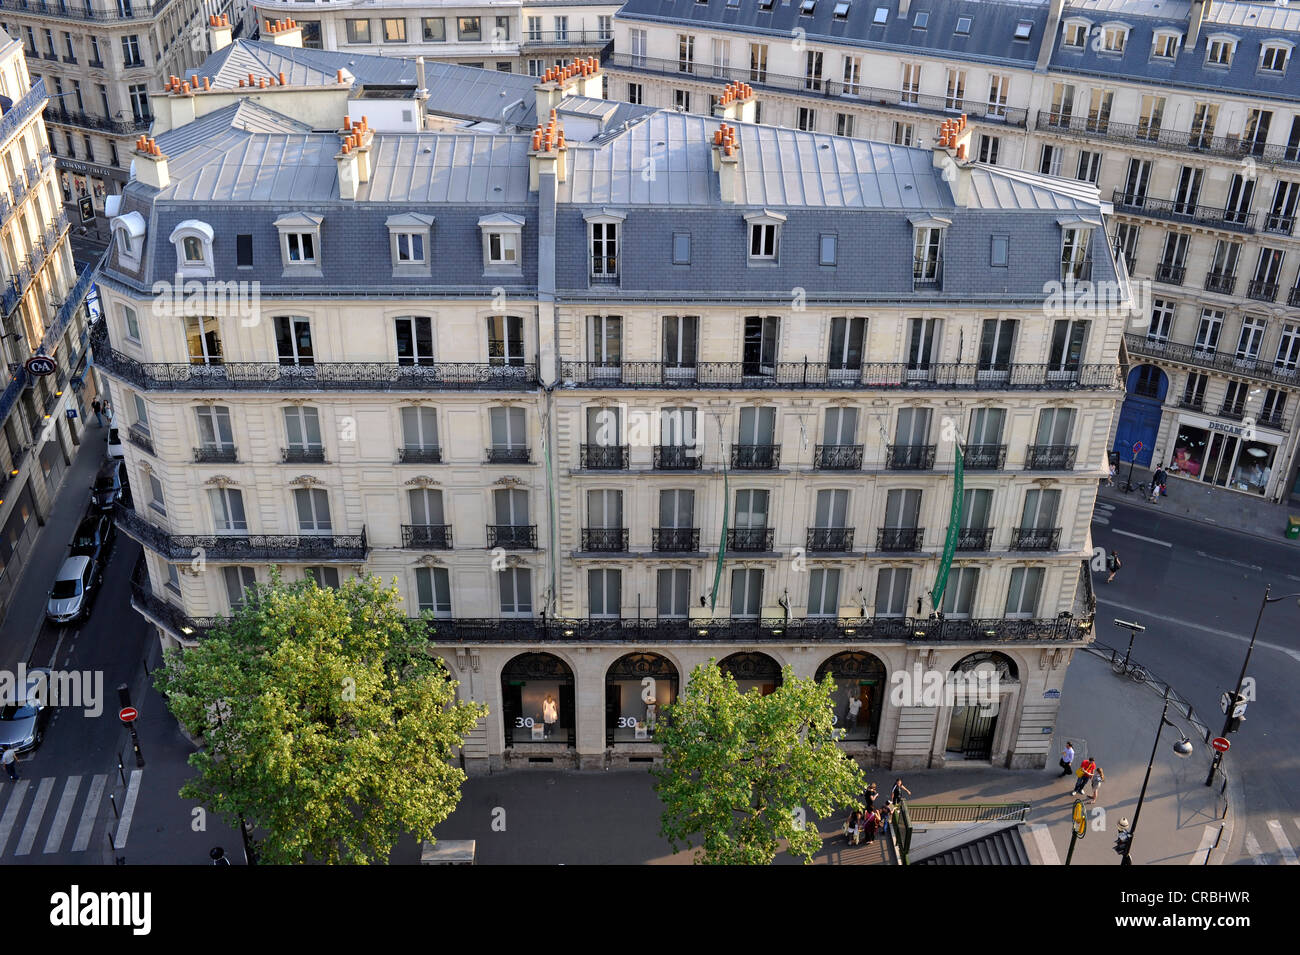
1135	671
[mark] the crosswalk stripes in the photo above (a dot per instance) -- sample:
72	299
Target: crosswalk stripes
87	824
1283	845
62	814
11	812
128	808
34	816
1285	854
1256	853
37	811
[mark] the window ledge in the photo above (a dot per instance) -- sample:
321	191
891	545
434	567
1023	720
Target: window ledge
412	270
302	271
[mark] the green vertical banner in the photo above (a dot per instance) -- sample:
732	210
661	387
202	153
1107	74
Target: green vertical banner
722	544
954	531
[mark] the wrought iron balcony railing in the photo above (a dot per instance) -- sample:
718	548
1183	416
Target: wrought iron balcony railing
1293	297
80	10
1234	410
1279	224
603	457
237	547
512	536
508	455
1262	291
974	538
1201	358
540	39
23	110
56	113
1274	419
1173	211
303	455
418	455
215	454
1154	135
750	539
427	536
834	539
1050	457
838	457
604	539
1170	274
1192	404
675	539
910	457
1036	538
755	457
900	538
676	457
927	274
1221	282
139	437
984	457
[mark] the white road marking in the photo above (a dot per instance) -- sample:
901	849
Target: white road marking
62	814
1100	520
11	812
128	807
34	816
1105	506
1149	540
1293	654
63	632
1202	854
1283	845
1225	560
89	813
1046	851
1256	853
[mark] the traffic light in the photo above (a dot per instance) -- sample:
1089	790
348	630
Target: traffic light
1121	843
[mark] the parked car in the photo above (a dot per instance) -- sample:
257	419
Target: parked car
74	588
115	444
24	718
94	537
109	486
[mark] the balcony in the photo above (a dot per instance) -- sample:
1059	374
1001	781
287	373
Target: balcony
303	456
1279	224
1170	274
508	455
1192	404
910	457
1220	282
899	538
512	536
604	540
426	536
419	455
55	113
755	457
1293	297
676	457
214	454
984	457
321	376
1036	538
834	91
927	274
1262	291
239	547
603	457
751	539
139	437
1275	420
1156	137
974	538
1050	457
165	613
820	375
1233	410
830	539
563	39
1171	211
675	539
838	457
1189	355
20	112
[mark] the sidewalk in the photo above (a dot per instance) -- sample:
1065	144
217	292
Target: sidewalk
1189	499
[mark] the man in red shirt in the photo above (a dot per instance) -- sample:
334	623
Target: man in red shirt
1086	769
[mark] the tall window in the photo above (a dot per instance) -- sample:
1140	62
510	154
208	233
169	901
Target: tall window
1162	319
892	587
922	342
911	83
302	430
976	508
203	340
313	507
674	594
1069	337
758	62
1023	594
505	340
228	510
751	509
238	581
605	509
414	340
1150	116
510	507
681	337
956	98
1074	253
841	427
420	429
759	348
604	249
758	426
605	337
847	337
746	594
426	506
852	76
1041	506
433	591
1207	332
998	86
685	53
322	576
515	585
812	71
1055	427
997	340
959	592
293	341
1251	337
215	433
1288	348
508	432
824	593
927	247
130	50
604	593
636	35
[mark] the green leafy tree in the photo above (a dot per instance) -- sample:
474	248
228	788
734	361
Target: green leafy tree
327	725
741	770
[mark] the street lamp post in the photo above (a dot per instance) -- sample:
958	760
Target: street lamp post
1229	716
1182	749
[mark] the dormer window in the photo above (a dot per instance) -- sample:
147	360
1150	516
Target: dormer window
408	237
1075	235
603	230
1113	38
129	230
300	243
963	26
1165	46
1273	57
807	7
1220	51
927	251
921	21
841	11
881	16
1023	29
764	236
193	242
502	241
1076	34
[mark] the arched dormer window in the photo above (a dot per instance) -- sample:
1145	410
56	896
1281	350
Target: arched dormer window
1075	33
193	242
128	232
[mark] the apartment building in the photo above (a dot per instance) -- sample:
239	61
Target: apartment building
516	36
99	61
615	397
47	389
1186	115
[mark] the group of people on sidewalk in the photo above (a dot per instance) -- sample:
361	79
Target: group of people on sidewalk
866	822
1088	773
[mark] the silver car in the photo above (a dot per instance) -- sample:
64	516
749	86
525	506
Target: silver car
23	720
73	589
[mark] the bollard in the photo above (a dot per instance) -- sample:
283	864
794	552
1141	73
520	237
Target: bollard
113	800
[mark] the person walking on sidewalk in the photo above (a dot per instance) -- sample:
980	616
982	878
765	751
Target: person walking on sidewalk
869	797
870	825
896	796
1110	480
1113	565
884	818
1098	777
853	828
99	412
1157	484
10	759
1086	769
1067	759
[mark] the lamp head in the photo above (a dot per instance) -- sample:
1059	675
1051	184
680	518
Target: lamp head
1183	748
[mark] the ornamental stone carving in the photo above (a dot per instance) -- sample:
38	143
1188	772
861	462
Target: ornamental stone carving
306	480
220	480
508	481
422	480
430	560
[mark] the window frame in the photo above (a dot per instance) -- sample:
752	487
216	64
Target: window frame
502	226
764	220
410	225
299	225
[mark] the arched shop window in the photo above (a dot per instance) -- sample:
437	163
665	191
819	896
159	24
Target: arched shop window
753	670
860	689
638	688
537	700
975	686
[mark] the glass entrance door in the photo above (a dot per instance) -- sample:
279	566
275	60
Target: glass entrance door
1218	463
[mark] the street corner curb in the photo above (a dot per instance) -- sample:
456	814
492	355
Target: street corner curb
1219	855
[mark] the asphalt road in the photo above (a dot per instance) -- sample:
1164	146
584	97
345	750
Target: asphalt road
1197	589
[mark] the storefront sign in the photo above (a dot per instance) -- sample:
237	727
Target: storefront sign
1226	428
41	365
93	169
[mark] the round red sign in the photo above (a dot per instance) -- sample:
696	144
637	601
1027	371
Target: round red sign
1220	744
127	714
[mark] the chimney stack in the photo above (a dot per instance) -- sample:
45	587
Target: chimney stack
737	104
579	78
284	32
150	164
549	153
219	32
726	161
951	155
1047	42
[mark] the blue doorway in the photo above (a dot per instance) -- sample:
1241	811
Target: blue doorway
1139	417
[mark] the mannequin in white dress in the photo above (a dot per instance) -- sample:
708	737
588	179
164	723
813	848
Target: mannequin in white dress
855	704
550	713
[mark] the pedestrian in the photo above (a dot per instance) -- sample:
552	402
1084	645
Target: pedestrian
1110	480
218	856
1067	759
1157	482
871	825
98	408
1098	777
1086	769
1113	565
885	814
853	828
870	797
896	795
10	759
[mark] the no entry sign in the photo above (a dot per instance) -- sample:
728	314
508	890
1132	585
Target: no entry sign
1220	744
127	714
